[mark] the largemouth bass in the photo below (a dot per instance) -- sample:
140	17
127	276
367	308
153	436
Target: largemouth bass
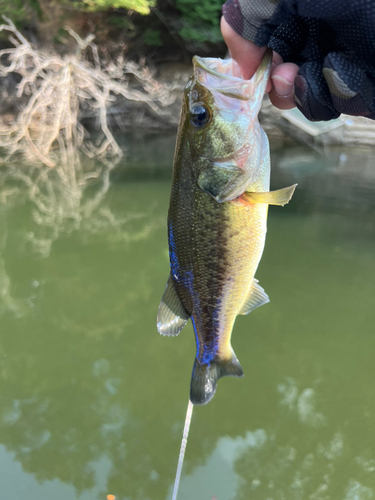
217	215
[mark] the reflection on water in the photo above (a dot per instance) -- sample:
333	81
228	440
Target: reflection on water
92	400
61	199
218	474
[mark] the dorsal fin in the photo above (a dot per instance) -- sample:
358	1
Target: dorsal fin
172	316
257	297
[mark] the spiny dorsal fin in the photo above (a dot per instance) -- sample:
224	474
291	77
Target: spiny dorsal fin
257	297
172	316
280	197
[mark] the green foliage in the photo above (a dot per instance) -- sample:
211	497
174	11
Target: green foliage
152	38
199	32
60	36
120	22
15	9
201	10
140	6
195	21
34	4
200	20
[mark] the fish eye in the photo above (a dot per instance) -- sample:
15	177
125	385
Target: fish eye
200	116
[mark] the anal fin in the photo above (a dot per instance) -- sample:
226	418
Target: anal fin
280	197
172	316
256	298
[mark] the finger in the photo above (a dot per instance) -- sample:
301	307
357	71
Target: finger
282	93
276	61
312	94
245	53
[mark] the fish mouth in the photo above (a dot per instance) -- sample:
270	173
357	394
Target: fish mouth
218	75
224	75
228	69
221	68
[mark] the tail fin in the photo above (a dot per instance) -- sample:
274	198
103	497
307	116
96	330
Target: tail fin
205	376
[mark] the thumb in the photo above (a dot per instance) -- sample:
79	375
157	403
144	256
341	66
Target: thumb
247	55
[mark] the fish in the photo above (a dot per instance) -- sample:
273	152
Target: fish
217	218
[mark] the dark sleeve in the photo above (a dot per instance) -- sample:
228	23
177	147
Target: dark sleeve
332	42
248	17
258	20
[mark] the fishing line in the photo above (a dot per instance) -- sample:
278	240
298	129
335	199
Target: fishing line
185	434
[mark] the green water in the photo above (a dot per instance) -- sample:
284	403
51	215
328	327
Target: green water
92	399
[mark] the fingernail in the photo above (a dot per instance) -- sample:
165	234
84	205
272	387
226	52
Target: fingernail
282	87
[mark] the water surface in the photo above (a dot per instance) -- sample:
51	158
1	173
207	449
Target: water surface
92	399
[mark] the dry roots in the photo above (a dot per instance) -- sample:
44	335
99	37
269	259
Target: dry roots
48	131
59	90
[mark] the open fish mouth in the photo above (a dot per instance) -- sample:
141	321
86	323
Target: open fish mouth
224	75
224	69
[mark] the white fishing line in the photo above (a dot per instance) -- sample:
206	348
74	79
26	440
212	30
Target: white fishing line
185	434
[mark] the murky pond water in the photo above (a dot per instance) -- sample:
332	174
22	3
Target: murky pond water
92	399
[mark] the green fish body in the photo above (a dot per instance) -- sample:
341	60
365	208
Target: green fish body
217	216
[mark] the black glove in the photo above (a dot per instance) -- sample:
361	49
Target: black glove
333	43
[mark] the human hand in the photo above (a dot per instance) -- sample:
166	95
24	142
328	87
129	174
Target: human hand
280	87
329	49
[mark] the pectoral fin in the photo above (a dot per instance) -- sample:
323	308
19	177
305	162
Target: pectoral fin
172	316
280	197
257	297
